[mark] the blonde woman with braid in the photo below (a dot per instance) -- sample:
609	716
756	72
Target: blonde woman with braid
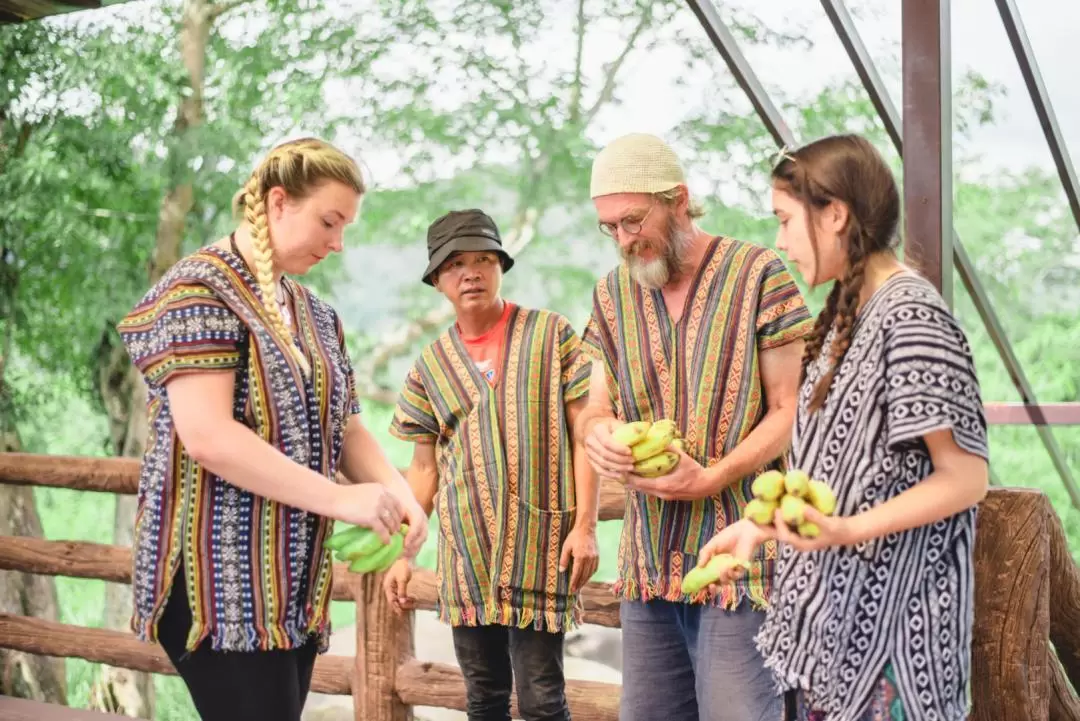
253	413
871	620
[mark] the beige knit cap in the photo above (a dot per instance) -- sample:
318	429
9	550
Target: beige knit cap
636	163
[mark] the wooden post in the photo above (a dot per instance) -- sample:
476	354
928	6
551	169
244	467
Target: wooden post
1010	644
384	642
1064	601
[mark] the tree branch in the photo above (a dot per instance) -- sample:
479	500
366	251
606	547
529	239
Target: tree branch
575	90
608	90
220	8
400	340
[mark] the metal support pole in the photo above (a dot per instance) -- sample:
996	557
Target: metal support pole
1025	56
927	123
849	36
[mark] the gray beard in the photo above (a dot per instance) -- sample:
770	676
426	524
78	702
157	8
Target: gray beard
657	273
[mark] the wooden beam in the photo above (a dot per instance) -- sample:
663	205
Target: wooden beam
384	643
21	709
117	648
1010	641
83	559
423	683
121	475
1064	704
1040	414
84	473
1064	601
601	606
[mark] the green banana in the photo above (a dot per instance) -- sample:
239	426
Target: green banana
821	497
769	486
342	538
362	546
792	507
397	545
660	435
630	433
701	576
796	482
658	465
760	511
373	562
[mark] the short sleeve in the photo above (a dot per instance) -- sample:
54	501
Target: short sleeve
575	364
596	341
930	378
182	328
782	315
414	418
354	403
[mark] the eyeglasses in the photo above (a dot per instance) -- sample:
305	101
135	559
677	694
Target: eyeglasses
630	227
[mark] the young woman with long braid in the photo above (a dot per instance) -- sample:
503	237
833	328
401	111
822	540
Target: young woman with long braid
253	416
871	620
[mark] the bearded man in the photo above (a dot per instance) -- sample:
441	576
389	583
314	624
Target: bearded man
706	331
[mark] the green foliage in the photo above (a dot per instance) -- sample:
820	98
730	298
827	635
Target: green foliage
498	105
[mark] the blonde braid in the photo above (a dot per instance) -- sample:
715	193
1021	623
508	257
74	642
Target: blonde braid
255	214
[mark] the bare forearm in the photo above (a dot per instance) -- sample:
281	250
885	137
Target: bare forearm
364	461
769	439
424	483
586	489
234	452
940	495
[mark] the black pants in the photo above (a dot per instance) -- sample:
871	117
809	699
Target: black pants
235	686
492	657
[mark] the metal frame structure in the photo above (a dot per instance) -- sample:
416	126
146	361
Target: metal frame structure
926	126
925	130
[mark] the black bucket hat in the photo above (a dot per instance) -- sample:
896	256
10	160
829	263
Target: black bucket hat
463	230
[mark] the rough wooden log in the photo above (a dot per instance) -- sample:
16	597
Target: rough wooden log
601	607
1010	645
20	709
1064	601
1064	704
121	475
384	643
82	559
423	683
111	475
116	648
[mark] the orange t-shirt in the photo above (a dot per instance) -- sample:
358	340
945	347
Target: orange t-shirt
486	350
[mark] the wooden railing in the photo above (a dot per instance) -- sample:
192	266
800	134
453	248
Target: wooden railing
1027	596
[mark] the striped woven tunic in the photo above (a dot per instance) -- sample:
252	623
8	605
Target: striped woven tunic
841	617
703	373
257	573
506	499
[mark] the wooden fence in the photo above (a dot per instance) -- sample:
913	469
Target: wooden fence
1027	597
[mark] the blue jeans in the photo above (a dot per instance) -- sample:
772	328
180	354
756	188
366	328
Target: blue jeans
684	662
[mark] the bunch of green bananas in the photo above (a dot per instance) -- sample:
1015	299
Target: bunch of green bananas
790	492
650	444
364	551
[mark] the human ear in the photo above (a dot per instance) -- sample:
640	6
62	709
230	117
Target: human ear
276	199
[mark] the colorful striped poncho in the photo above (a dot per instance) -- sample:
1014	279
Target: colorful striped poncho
703	373
506	498
257	573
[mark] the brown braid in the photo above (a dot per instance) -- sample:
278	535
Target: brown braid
849	170
847	305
